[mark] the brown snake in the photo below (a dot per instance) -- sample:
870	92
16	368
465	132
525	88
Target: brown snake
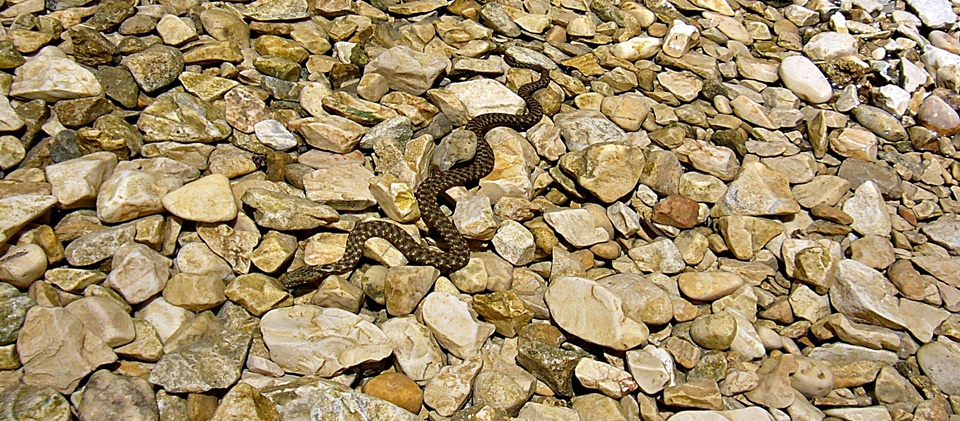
456	253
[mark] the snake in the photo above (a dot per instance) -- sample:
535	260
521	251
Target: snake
454	251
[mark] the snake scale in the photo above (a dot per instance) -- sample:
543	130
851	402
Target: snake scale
456	253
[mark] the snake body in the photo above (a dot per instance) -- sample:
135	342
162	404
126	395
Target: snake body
456	253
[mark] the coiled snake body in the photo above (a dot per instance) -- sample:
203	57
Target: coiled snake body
456	254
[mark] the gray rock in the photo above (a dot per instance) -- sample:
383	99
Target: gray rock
109	396
939	361
319	399
13	311
934	13
210	363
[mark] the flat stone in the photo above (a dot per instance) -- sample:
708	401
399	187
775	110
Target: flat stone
18	211
213	362
406	69
108	395
57	351
311	340
307	397
861	293
208	199
589	311
181	117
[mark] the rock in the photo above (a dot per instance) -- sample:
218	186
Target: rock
608	170
105	318
935	14
155	67
803	78
829	45
22	265
75	182
17	211
324	400
552	366
937	360
181	117
208	199
213	362
51	76
311	340
868	210
452	324
589	311
417	352
13	312
139	272
935	114
757	191
130	194
407	70
57	351
33	402
855	143
243	401
880	122
861	293
108	395
452	386
396	388
576	226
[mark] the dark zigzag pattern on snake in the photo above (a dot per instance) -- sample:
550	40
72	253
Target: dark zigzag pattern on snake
456	253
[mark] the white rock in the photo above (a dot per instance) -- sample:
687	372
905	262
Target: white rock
868	210
75	182
612	381
139	272
105	318
576	226
862	293
51	76
273	134
483	96
652	368
830	45
802	77
417	353
452	324
9	119
515	243
680	38
637	48
165	318
893	99
585	309
311	340
128	195
22	265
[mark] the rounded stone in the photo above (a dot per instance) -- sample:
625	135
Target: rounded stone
813	378
396	388
802	77
714	331
935	114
